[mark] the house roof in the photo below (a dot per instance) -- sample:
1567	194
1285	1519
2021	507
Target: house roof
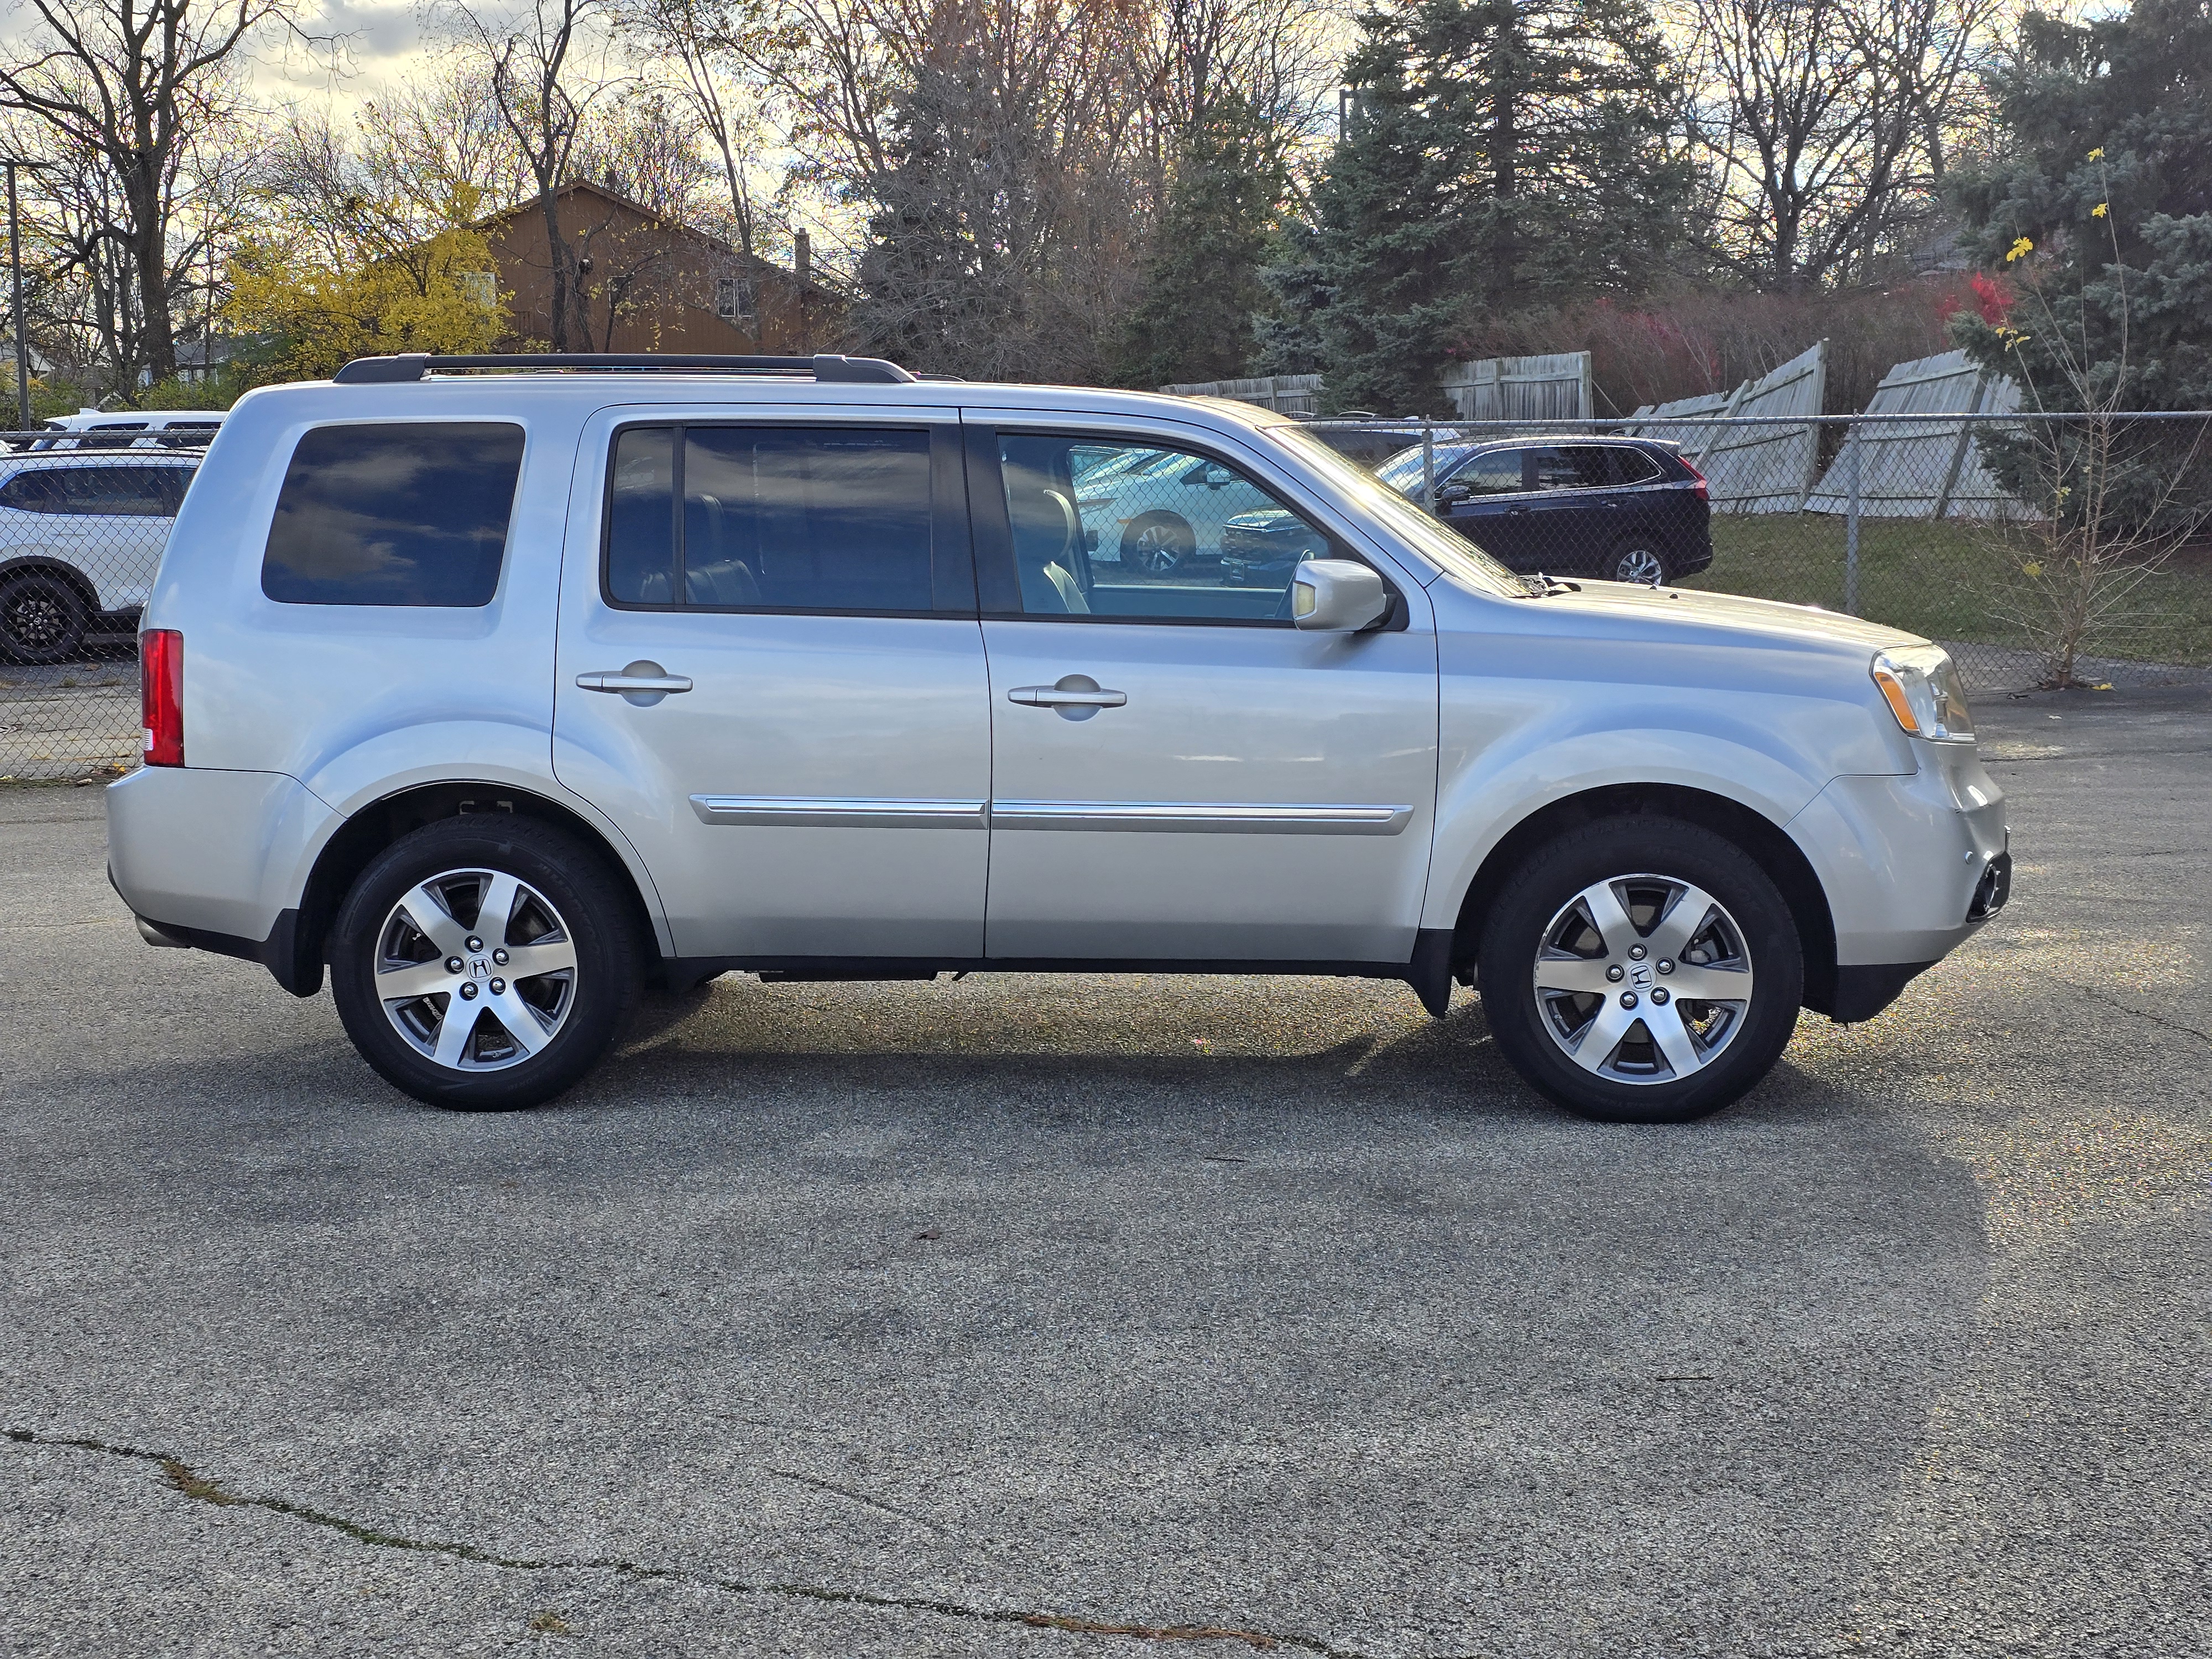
659	221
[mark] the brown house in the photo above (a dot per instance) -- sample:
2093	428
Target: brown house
650	283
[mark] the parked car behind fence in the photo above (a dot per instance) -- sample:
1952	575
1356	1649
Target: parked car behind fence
80	535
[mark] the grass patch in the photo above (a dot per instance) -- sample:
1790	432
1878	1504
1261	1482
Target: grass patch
1948	581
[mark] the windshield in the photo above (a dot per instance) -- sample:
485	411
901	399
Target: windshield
1440	546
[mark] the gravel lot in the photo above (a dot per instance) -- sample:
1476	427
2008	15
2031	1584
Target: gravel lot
1060	1316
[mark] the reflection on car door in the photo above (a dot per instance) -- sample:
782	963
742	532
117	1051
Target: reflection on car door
810	779
1179	774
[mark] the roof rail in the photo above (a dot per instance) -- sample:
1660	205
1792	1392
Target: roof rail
825	367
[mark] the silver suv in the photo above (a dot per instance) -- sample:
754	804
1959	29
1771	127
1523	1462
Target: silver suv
504	693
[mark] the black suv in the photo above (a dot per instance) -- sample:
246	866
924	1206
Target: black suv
1626	509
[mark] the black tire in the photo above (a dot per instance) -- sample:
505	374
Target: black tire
1638	559
1158	543
1534	928
43	617
557	878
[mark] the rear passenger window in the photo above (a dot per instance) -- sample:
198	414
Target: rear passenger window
825	519
1571	466
394	514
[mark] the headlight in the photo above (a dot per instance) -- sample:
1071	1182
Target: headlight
1920	684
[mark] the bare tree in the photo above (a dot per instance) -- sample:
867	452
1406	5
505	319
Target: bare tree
704	45
547	63
1824	126
129	83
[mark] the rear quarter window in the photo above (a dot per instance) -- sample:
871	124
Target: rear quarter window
394	513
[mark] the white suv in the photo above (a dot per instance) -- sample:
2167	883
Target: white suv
502	693
79	535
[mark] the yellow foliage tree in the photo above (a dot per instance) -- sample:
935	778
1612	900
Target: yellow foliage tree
308	317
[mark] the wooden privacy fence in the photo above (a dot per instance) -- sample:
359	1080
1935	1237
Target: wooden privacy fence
1766	467
1924	470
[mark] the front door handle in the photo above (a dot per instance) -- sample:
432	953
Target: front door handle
641	683
1076	697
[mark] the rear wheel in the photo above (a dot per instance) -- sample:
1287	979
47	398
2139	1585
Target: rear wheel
42	617
484	963
1641	970
1636	560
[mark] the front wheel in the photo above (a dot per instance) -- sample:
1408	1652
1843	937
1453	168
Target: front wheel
1158	543
483	964
1641	970
42	617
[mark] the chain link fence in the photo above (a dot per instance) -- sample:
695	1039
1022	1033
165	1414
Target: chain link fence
82	522
1942	525
1906	519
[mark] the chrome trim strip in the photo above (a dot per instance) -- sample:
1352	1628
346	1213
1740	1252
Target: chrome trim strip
1205	816
837	812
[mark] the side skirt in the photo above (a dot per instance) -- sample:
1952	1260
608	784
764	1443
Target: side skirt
1428	972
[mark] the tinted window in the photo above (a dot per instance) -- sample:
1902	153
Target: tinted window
1570	466
35	491
130	492
1147	534
1633	466
1494	472
410	514
774	519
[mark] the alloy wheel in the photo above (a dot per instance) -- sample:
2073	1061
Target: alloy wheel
475	969
1643	979
1640	564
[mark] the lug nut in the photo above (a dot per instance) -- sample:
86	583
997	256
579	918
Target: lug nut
500	957
454	964
468	993
1635	952
1614	972
475	944
1666	966
499	987
1658	997
1628	998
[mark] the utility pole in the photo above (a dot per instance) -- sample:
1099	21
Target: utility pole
16	270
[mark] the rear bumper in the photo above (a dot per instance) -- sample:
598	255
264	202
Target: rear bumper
218	859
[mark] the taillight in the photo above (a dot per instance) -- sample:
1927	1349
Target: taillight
1697	480
162	694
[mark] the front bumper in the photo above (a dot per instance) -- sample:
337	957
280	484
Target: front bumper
1911	865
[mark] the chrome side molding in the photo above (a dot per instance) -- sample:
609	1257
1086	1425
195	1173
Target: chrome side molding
837	812
1202	817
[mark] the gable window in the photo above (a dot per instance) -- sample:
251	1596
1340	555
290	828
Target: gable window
733	300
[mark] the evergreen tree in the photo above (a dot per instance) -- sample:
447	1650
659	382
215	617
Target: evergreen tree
1498	154
1201	286
2108	179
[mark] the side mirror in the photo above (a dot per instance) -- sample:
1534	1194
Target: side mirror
1452	495
1337	596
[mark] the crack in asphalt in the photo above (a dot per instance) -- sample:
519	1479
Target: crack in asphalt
2110	1001
184	1478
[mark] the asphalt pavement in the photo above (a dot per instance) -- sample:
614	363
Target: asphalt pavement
1111	1317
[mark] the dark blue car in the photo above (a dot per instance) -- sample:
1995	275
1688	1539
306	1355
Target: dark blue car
1625	510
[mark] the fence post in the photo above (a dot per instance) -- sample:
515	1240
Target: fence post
1851	521
1428	464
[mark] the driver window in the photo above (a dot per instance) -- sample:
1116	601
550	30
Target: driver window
1142	532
